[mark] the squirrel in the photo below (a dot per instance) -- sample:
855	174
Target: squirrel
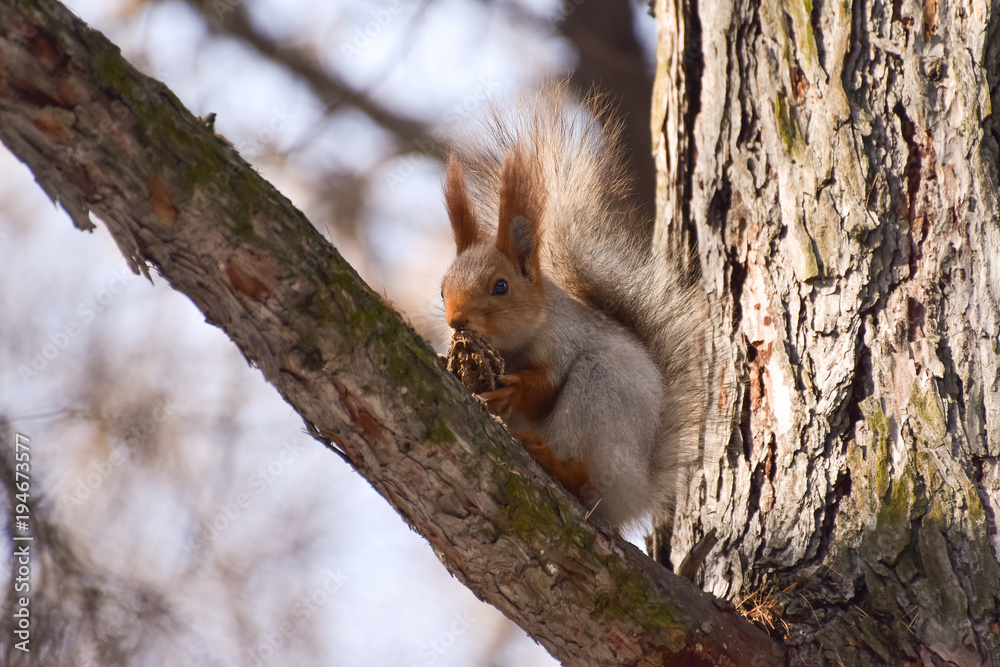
600	335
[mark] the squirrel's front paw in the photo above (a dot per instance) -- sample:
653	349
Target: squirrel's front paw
571	473
503	400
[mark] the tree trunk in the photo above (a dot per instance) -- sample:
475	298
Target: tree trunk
102	138
834	164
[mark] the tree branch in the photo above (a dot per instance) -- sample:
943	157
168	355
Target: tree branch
102	138
230	19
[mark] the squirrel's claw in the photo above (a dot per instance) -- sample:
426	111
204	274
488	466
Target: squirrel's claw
510	381
501	401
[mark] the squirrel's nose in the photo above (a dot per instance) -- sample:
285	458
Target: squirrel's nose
454	316
455	313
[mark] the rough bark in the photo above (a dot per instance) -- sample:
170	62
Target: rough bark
103	139
841	189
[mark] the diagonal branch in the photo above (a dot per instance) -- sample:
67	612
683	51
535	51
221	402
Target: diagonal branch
102	138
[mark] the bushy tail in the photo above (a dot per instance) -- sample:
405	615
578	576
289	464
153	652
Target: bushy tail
597	251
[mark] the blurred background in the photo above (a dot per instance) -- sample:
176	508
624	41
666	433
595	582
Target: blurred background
180	514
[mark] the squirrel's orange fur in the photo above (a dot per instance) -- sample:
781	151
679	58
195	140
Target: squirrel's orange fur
600	336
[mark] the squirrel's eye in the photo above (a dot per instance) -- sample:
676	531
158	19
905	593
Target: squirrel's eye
500	287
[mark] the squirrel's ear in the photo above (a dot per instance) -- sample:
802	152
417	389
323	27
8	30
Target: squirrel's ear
522	197
522	238
460	209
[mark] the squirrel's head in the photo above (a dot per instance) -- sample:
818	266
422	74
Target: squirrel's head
495	286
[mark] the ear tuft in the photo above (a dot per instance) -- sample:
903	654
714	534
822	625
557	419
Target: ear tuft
461	211
522	200
523	242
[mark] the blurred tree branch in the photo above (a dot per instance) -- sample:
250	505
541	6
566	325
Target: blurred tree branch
231	20
103	139
611	61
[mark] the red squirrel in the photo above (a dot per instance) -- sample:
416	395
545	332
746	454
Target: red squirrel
599	335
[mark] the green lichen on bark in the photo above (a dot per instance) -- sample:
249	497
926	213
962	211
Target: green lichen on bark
800	12
878	426
925	414
788	129
632	592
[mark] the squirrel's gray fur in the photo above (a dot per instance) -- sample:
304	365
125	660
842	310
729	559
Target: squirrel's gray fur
601	258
